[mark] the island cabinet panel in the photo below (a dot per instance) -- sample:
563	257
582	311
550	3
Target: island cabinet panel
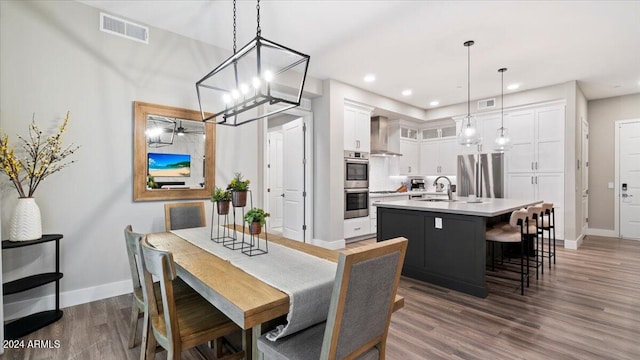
409	225
451	255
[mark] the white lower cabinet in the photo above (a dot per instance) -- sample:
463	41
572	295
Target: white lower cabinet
548	187
356	227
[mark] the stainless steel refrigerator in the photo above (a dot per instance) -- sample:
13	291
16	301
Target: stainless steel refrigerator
481	175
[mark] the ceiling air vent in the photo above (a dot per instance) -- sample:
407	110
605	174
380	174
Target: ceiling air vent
486	104
124	28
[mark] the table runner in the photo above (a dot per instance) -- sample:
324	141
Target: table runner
307	279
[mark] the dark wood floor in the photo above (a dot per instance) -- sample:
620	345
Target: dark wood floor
586	307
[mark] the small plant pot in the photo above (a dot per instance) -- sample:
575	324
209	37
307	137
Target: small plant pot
223	207
255	228
239	198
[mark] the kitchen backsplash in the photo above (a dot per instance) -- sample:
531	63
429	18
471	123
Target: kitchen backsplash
379	175
380	179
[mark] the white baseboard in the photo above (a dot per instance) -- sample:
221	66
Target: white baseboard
22	308
574	244
331	245
602	232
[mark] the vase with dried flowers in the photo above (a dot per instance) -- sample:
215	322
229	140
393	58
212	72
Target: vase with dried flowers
42	156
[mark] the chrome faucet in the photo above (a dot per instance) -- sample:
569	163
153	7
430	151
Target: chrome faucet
435	183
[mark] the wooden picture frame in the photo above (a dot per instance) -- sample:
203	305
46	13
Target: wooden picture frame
140	191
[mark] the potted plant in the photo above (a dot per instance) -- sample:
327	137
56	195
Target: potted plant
238	188
222	198
256	218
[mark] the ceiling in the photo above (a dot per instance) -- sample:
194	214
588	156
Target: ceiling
418	45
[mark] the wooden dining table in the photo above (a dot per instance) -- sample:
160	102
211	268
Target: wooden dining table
246	300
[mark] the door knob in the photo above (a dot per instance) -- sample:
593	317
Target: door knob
282	194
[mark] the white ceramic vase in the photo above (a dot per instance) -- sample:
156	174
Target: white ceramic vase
25	223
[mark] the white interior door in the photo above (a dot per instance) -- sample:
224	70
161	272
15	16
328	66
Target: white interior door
275	187
585	176
629	150
293	179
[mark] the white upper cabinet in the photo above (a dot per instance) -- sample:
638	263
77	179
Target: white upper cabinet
429	157
489	126
408	133
521	155
448	156
535	163
538	140
357	127
438	157
549	139
408	162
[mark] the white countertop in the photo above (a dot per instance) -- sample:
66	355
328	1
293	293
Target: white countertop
407	193
489	207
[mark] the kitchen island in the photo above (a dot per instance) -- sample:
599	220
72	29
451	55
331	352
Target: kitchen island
446	238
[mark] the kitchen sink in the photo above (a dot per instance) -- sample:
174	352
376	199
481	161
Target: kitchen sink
437	200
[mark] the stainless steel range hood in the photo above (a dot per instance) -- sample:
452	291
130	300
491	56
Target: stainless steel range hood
380	133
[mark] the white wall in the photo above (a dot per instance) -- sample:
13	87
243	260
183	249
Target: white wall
54	59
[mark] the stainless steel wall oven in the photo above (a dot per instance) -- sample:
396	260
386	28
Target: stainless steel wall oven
356	203
356	170
356	184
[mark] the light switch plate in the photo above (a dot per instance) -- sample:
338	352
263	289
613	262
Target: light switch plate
438	223
610	185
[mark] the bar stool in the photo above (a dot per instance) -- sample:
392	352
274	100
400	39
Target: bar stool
549	224
515	231
535	233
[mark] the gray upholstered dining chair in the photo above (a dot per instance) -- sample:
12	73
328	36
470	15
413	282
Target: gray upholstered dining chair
360	310
173	322
180	288
184	215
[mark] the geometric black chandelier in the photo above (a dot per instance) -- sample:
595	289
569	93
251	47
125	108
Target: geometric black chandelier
261	79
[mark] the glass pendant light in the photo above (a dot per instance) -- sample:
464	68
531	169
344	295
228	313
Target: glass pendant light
502	142
469	134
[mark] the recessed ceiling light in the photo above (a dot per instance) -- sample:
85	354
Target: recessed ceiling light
407	92
434	103
369	78
513	86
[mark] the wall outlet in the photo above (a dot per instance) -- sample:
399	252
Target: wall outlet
610	185
438	223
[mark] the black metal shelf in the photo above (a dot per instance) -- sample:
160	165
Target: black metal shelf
30	323
29	282
8	244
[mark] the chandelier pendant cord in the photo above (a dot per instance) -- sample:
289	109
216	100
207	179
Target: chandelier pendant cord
502	103
469	85
258	29
234	27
